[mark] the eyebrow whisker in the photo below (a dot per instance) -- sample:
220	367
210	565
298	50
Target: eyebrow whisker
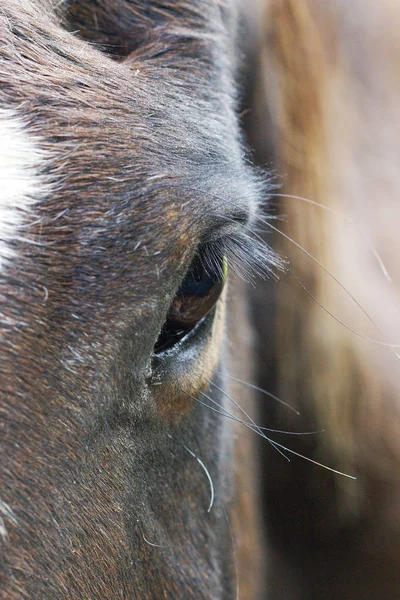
358	304
346	218
391	345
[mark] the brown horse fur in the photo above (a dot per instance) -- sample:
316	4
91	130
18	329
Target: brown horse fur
133	105
327	95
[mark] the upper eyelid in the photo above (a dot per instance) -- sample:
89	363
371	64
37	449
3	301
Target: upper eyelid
225	225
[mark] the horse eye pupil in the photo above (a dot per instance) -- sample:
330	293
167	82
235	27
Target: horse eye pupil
196	297
198	280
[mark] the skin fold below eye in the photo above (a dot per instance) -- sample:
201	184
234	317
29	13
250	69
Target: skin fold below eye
196	297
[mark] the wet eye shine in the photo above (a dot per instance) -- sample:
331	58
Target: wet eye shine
197	296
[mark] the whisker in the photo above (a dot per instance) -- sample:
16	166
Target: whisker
307	253
276	445
254	427
150	543
381	263
378	342
315	203
226	413
348	220
235	403
315	462
203	466
206	471
364	337
259	427
265	392
222	411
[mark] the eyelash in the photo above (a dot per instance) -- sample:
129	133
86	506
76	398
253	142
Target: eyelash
248	257
204	281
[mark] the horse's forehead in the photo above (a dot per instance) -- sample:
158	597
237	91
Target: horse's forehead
119	138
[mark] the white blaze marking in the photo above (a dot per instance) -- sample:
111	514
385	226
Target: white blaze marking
7	512
20	182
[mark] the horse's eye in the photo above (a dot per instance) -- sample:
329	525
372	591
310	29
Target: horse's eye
196	297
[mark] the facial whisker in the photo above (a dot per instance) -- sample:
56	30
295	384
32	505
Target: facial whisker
252	426
265	392
315	462
259	427
276	445
346	218
150	543
226	413
235	404
206	471
357	333
358	304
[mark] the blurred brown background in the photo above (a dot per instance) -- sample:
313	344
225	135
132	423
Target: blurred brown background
325	114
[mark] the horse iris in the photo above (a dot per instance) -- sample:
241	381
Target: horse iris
196	297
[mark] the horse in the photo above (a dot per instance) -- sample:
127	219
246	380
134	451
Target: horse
126	191
128	203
